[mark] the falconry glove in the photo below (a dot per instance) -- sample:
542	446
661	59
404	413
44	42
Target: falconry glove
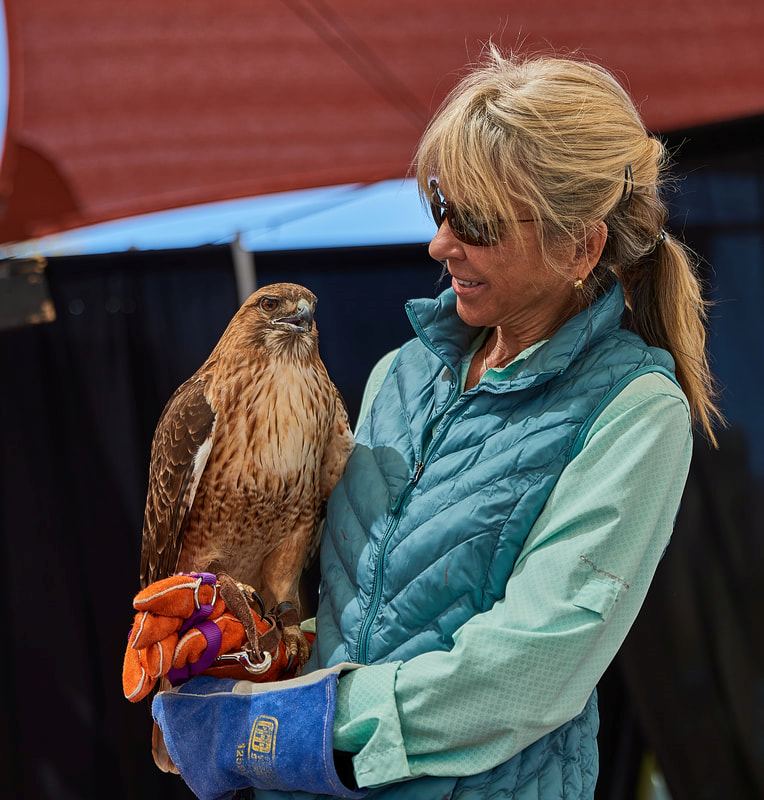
225	735
188	624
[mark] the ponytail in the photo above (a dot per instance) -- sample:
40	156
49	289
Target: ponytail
660	280
668	310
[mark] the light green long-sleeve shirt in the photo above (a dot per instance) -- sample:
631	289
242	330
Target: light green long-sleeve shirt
529	664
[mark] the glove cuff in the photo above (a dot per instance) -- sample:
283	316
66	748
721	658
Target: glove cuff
225	735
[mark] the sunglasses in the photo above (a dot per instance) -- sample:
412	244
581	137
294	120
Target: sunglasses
464	225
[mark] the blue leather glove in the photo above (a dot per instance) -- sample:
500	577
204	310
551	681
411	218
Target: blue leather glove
225	735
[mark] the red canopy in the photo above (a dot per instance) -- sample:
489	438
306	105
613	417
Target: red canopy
117	109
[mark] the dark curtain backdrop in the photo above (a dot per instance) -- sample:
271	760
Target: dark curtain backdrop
79	401
78	407
689	682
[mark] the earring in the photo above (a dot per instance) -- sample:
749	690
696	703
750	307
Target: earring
578	285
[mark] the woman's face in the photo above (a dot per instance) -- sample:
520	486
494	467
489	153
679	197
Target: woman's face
507	286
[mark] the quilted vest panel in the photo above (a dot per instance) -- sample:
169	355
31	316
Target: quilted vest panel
442	489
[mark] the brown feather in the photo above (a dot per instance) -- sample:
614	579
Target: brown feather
185	425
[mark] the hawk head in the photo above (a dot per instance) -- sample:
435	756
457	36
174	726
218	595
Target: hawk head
276	319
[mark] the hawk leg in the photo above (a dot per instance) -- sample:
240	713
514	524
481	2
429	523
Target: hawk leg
288	619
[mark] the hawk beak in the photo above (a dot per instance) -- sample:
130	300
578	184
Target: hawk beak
302	320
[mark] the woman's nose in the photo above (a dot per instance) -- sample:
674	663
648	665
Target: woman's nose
444	244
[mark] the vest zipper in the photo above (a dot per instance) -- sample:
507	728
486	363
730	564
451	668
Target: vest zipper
376	592
376	587
418	469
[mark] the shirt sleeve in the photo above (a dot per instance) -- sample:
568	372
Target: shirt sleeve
529	664
374	384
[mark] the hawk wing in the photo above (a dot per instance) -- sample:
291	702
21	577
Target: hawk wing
338	448
179	453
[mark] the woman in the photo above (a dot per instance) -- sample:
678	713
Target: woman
516	478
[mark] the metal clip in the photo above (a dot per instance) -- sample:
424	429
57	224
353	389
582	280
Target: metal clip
241	657
199	583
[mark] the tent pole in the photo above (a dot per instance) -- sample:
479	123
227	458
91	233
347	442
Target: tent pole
244	269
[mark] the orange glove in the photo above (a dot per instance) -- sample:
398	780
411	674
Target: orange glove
184	626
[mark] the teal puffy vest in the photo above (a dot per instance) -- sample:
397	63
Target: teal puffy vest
424	528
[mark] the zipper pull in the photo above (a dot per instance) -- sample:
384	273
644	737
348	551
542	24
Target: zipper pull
418	469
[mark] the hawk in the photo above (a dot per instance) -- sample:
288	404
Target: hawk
246	453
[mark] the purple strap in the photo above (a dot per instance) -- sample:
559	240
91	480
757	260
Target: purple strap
204	609
214	637
208	629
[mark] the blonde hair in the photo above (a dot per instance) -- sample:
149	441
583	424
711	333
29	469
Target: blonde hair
560	140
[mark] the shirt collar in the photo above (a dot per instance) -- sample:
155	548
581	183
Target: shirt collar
442	331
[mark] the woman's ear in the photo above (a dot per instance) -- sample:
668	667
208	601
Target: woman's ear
589	251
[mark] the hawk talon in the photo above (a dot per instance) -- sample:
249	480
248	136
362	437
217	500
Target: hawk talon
255	598
290	663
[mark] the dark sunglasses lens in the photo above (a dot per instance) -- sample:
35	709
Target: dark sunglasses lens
438	213
463	225
470	230
437	204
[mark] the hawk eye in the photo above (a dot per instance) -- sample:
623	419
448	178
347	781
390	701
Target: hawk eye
269	304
